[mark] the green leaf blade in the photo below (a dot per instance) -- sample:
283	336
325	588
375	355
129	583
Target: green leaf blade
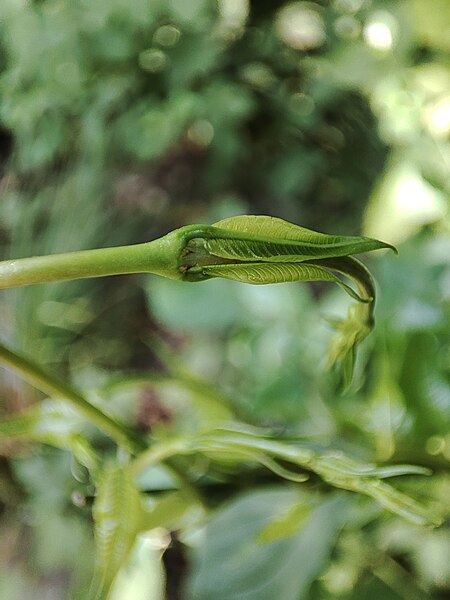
275	250
287	239
283	565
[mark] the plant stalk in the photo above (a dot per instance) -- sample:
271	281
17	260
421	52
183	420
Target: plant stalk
159	256
54	387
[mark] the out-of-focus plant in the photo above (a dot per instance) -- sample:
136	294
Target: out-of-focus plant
123	120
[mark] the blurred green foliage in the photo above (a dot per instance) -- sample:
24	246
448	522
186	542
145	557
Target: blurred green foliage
121	120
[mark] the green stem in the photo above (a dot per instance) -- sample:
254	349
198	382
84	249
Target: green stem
51	385
160	256
161	452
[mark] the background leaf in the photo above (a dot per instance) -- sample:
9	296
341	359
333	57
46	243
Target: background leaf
235	560
117	513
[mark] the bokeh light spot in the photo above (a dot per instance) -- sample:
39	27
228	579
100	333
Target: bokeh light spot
301	26
153	60
167	35
379	32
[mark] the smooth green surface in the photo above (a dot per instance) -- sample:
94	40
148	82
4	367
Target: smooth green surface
159	257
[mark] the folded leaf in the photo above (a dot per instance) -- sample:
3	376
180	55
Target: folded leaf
353	268
118	516
283	251
261	250
264	273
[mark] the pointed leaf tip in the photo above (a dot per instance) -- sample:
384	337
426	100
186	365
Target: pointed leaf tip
274	229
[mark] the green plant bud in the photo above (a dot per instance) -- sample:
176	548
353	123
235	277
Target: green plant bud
262	250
